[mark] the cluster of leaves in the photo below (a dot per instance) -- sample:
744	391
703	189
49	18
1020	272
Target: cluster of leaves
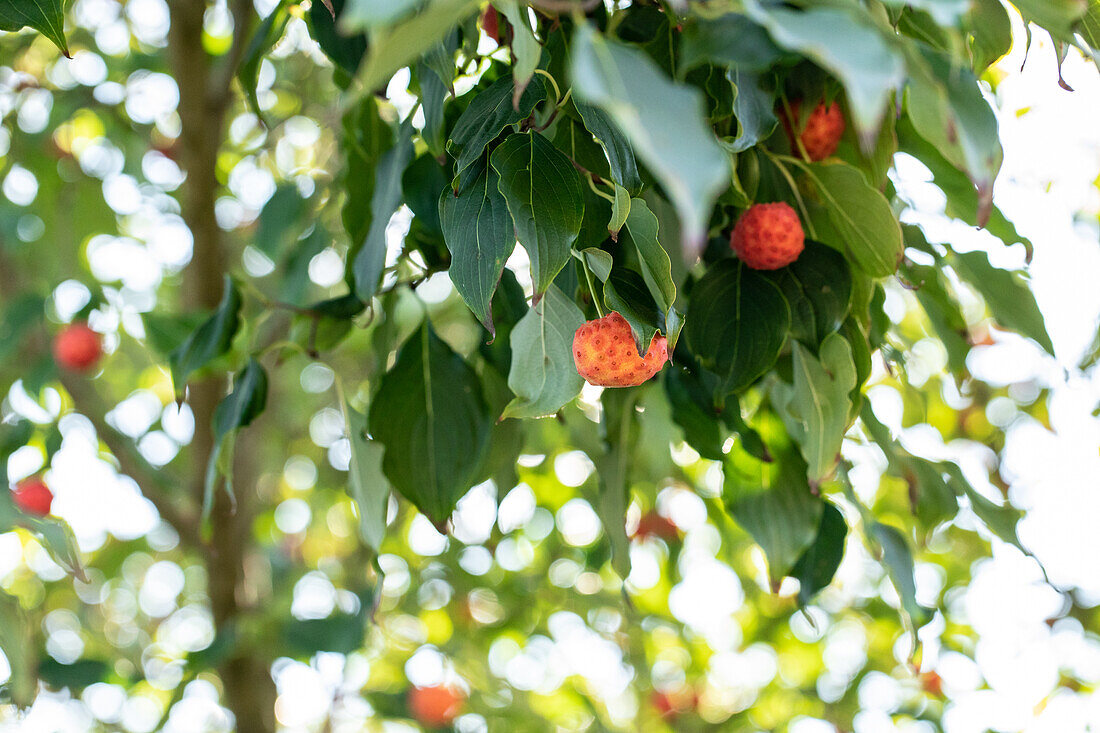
618	147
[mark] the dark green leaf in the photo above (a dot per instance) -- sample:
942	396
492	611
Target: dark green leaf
990	33
210	340
341	633
737	323
625	293
773	501
75	676
480	236
620	155
818	287
281	220
544	196
247	400
488	114
819	563
898	559
267	34
729	40
754	109
430	416
345	50
45	16
692	410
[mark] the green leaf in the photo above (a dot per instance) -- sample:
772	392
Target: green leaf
267	34
818	403
666	123
773	501
543	374
525	48
369	13
1001	519
398	45
490	111
620	432
819	563
1056	16
342	633
898	560
620	210
367	484
346	51
243	405
281	220
76	676
45	16
544	196
845	42
18	644
480	236
433	97
737	323
620	155
692	410
625	292
731	40
754	109
642	227
54	534
947	109
597	261
818	287
430	416
370	258
366	139
1007	295
943	12
990	33
853	218
210	340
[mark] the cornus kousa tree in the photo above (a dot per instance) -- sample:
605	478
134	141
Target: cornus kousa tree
496	365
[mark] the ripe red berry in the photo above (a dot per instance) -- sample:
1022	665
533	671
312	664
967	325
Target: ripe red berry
823	130
33	496
77	347
436	706
606	355
653	524
768	236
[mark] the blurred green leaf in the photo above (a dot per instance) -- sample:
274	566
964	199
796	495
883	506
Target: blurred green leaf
264	38
243	405
367	483
1007	295
818	564
209	341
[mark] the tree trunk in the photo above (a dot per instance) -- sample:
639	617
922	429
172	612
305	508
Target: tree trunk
204	96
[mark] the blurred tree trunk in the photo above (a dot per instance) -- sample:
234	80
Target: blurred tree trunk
204	97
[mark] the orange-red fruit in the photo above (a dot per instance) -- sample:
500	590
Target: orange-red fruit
653	524
768	236
606	355
33	496
436	706
77	347
821	135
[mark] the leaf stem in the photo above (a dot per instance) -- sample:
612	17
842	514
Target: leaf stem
591	286
777	161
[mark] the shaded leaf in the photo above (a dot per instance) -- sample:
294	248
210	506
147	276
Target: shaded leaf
45	16
819	563
243	405
490	111
267	34
367	484
1007	295
818	288
620	155
731	40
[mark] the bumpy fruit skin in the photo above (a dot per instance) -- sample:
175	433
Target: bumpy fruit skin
77	347
768	236
824	128
33	496
653	524
606	355
436	706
